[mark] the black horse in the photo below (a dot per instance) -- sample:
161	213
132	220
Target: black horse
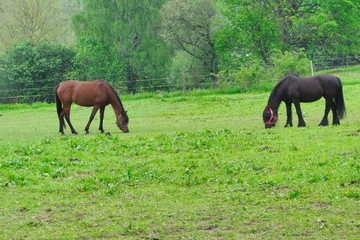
294	89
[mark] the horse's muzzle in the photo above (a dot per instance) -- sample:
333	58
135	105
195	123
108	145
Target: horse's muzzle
269	125
125	129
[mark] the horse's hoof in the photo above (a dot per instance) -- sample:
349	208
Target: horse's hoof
107	134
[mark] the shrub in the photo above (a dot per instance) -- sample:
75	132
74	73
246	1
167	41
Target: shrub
259	77
246	77
290	63
32	71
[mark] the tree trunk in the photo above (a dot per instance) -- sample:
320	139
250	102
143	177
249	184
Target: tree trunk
131	78
285	23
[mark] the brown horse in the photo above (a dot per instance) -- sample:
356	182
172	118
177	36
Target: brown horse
97	94
294	89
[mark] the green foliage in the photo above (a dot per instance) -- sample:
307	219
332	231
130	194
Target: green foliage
118	41
289	63
245	77
252	29
35	21
188	26
33	70
257	76
336	31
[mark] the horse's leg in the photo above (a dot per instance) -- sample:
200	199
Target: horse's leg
67	117
102	110
289	115
299	113
328	104
93	113
62	123
336	120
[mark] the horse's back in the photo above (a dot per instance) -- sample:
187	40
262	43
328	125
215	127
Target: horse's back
309	89
84	93
329	79
330	84
81	85
70	86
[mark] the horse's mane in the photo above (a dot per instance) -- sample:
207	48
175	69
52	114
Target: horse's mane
115	93
275	89
280	84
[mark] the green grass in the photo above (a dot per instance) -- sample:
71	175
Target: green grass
200	166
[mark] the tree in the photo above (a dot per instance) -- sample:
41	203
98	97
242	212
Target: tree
336	31
118	39
256	28
249	31
35	20
188	24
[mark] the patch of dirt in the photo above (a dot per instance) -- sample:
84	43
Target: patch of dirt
211	227
354	134
352	182
321	205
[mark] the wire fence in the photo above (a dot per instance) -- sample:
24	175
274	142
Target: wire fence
14	92
321	63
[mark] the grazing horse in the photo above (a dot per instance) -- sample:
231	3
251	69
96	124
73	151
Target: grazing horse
294	89
97	94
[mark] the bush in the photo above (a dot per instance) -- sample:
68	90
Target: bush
29	72
246	77
257	76
290	63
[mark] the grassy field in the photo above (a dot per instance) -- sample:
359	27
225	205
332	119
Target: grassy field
200	166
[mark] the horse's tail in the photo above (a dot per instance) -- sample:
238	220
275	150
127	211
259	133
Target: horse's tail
339	102
59	105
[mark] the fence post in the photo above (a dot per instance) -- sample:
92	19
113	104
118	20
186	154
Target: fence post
312	68
184	80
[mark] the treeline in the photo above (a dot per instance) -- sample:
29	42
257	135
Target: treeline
145	44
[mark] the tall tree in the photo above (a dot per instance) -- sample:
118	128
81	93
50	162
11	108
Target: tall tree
249	31
188	24
118	39
35	20
337	32
320	27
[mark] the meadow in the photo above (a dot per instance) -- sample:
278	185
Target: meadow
200	166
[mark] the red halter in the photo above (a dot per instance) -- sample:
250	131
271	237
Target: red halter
273	118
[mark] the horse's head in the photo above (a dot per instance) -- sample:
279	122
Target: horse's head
270	117
122	122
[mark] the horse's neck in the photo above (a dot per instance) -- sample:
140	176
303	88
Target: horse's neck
117	106
276	95
274	101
